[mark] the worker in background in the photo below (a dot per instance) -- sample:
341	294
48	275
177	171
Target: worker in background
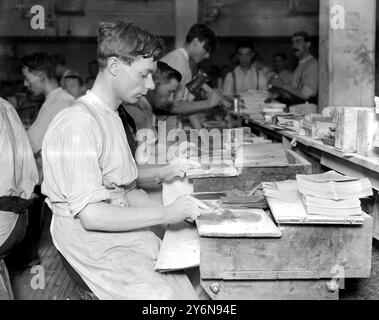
101	222
280	70
74	85
245	76
38	70
304	87
200	43
61	70
18	177
144	114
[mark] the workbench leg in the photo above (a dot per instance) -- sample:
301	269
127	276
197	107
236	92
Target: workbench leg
375	215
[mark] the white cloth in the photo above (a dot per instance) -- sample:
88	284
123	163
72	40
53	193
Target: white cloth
17	165
245	80
81	166
55	101
179	60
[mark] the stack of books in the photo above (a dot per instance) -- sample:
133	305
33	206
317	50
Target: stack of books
333	194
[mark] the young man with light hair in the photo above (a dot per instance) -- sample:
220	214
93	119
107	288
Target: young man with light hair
101	221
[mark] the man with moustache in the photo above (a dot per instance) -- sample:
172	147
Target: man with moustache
304	86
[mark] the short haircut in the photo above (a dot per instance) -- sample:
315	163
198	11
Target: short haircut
59	59
75	76
281	55
244	45
302	34
203	33
40	62
165	74
127	42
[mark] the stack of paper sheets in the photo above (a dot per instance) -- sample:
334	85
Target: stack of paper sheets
331	193
287	206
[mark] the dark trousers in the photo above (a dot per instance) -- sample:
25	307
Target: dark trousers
16	236
27	250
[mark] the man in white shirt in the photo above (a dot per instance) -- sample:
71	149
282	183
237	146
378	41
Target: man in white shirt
200	43
18	178
304	86
245	76
101	222
38	70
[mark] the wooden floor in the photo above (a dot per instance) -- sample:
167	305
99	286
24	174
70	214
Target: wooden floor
57	285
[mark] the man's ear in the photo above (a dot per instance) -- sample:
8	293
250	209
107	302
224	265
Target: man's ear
42	77
308	44
113	66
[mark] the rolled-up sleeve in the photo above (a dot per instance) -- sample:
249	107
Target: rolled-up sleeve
71	163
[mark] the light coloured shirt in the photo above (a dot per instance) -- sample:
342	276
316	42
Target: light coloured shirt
179	60
244	81
305	76
86	159
17	165
55	101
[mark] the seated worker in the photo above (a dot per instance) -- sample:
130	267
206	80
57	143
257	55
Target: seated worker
304	86
143	116
245	76
18	177
39	78
74	85
101	222
280	68
200	43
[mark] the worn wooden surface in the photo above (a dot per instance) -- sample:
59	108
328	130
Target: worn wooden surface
270	290
247	223
250	177
303	252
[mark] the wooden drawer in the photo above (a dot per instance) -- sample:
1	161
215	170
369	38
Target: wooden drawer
271	290
302	252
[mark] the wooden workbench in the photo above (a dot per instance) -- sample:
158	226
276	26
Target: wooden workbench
318	154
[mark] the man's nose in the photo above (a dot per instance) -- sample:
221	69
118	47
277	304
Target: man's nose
150	83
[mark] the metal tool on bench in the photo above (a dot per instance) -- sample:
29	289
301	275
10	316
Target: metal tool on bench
200	82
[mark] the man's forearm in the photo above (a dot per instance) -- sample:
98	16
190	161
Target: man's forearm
188	107
102	216
294	91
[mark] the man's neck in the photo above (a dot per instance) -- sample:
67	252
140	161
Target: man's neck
187	49
246	68
304	56
50	86
103	89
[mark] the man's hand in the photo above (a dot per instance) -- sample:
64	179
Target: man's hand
171	171
214	98
183	208
277	83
